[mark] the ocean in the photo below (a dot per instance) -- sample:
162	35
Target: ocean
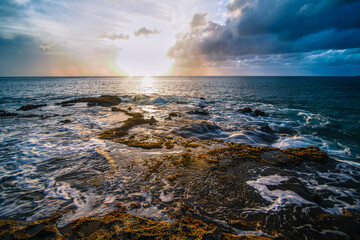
49	154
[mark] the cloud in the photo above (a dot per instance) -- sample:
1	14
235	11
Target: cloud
144	31
115	36
198	20
47	47
269	27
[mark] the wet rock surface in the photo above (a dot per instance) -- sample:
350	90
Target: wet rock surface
245	110
161	182
258	112
103	100
30	107
117	225
7	114
207	191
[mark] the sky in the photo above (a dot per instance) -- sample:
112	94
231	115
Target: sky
179	38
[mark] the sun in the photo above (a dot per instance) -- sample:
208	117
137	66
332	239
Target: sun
145	66
142	56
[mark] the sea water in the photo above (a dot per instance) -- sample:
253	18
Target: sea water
43	162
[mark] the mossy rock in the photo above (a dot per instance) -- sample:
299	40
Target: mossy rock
103	100
30	107
137	119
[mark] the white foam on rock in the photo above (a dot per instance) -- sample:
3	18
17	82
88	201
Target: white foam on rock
278	198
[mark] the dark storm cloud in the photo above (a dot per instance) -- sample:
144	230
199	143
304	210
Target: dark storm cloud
266	27
145	32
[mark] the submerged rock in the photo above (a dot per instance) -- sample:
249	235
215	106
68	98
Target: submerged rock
30	107
140	98
65	121
266	128
159	101
137	119
207	129
103	100
245	110
115	109
258	112
3	113
171	115
200	112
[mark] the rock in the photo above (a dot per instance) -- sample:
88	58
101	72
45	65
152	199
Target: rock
171	115
199	112
115	109
159	101
258	112
137	119
7	114
266	128
66	121
134	205
31	116
201	98
103	100
245	110
140	98
67	104
30	107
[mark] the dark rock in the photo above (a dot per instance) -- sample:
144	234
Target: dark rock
30	107
171	115
67	104
245	110
258	112
137	119
103	100
202	98
31	116
275	157
293	185
115	109
6	114
199	112
66	121
134	205
266	129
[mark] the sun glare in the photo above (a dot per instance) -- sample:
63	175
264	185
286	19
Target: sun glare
141	56
157	67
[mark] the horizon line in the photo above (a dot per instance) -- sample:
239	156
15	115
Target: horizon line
123	76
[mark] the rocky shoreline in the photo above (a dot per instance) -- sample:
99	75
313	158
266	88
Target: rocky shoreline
206	189
208	197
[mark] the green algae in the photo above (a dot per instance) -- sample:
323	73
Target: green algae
245	152
129	123
30	107
116	109
120	225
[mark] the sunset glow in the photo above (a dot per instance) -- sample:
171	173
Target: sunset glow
191	38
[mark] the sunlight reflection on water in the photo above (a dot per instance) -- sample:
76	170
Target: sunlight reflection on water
147	85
